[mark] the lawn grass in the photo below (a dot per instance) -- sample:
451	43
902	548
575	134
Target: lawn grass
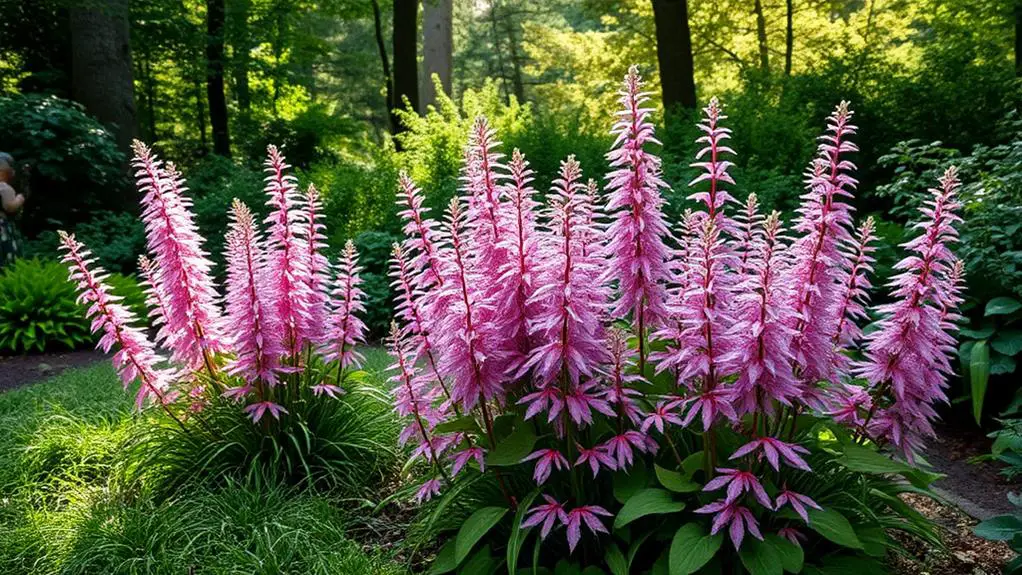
64	507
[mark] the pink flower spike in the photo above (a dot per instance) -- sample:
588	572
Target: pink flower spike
581	404
775	449
428	490
738	482
238	393
798	502
711	404
620	447
587	514
664	413
739	518
595	457
345	329
327	389
462	457
547	399
545	513
547	460
256	410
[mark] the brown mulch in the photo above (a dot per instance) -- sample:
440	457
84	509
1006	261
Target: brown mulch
964	553
20	370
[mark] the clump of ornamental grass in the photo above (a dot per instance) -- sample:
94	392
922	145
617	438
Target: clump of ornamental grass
686	396
259	378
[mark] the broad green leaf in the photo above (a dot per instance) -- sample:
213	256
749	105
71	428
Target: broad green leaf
834	527
515	447
463	423
981	333
1001	364
692	463
791	555
474	528
629	482
1000	528
760	557
979	375
615	560
867	460
691	548
1008	341
675	481
518	535
481	563
874	540
444	562
646	502
563	567
1002	306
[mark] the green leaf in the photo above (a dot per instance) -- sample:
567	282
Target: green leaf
463	423
515	447
833	526
1000	528
867	460
760	557
691	548
979	375
1002	306
646	502
1001	364
518	535
615	560
675	481
1008	342
981	333
874	540
692	463
444	562
482	563
474	528
791	555
629	482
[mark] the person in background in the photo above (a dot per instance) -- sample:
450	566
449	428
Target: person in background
11	202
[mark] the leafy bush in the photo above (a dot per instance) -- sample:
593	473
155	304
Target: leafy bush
1006	528
76	165
665	395
38	311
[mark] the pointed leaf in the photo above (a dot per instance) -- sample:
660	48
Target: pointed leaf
646	502
675	481
1008	341
760	557
979	375
474	528
615	560
792	556
518	535
515	447
834	527
1002	306
1000	528
691	548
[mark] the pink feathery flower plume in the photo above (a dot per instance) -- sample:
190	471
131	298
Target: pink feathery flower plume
638	254
408	308
714	168
135	357
193	325
621	379
520	269
317	276
761	331
155	298
907	356
482	182
345	329
287	264
468	345
567	328
825	220
251	325
749	231
421	234
856	285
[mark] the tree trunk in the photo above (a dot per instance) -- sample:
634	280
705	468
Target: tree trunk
101	71
761	36
496	47
406	66
215	18
516	64
200	114
437	47
381	46
1018	38
789	35
242	52
674	53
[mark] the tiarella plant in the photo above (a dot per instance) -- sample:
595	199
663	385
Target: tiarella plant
277	346
592	386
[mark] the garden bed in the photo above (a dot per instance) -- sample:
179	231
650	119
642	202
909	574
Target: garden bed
19	370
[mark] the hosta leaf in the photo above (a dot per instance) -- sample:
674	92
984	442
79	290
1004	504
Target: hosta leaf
791	555
760	557
675	481
444	562
691	548
646	502
629	482
833	526
1001	364
1008	342
518	535
463	423
1000	528
474	528
515	447
615	560
481	563
1002	306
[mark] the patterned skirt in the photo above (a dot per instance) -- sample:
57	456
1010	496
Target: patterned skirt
8	242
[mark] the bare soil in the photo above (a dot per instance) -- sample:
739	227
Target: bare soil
20	370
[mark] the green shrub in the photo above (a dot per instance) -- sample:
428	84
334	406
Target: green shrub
77	168
38	311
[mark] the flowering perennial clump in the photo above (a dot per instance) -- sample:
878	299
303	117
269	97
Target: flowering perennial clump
599	333
282	302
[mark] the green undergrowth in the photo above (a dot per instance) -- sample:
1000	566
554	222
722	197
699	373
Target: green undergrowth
66	506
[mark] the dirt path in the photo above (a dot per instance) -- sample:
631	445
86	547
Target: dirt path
19	370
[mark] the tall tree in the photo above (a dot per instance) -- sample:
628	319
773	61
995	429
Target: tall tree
674	53
761	36
241	51
101	71
216	14
437	47
789	34
1018	38
388	79
406	66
